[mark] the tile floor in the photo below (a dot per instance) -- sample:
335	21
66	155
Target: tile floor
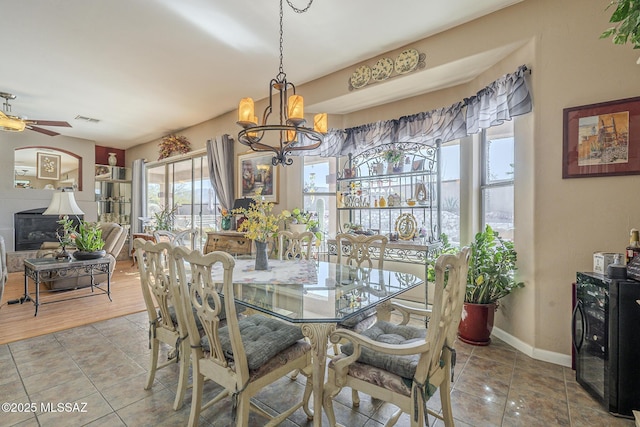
103	365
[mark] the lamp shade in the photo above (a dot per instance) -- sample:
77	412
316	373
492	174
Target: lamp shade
245	110
320	122
63	203
296	107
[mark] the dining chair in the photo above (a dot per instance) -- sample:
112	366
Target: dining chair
187	238
164	326
243	357
358	250
292	245
401	364
164	236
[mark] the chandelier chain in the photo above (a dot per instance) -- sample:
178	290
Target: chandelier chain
297	10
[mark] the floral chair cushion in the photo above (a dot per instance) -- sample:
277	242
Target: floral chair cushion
389	333
262	338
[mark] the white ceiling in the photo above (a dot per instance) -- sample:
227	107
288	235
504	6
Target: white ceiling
147	68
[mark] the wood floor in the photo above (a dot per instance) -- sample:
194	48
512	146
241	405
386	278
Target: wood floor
17	321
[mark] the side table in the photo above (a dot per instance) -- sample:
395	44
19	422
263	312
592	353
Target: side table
145	236
233	242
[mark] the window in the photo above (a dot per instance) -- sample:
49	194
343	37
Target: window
184	183
319	190
497	179
450	190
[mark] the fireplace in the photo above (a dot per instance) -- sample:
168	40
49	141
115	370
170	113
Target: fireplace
32	228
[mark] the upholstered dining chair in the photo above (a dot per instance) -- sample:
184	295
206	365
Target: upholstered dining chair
245	355
164	326
293	245
401	364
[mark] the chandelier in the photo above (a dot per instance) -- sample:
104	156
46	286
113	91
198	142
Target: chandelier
293	135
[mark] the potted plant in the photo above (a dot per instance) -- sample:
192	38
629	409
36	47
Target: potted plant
491	276
394	157
87	238
301	221
627	28
165	218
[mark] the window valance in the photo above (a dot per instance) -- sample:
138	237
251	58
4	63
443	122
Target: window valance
502	100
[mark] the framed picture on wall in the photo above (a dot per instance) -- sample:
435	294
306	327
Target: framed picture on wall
602	139
48	166
256	175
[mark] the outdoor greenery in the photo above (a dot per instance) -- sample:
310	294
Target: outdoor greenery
492	269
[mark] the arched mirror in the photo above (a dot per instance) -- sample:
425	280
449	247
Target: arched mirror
46	168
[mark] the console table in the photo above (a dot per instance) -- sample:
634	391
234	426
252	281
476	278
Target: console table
233	242
53	269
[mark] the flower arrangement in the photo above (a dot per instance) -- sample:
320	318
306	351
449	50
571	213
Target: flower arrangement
261	222
224	212
174	144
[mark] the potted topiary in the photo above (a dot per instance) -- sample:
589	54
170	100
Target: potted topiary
491	276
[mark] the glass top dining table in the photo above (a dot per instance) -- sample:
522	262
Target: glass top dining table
317	295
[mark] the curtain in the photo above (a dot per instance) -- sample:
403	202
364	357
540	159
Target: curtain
138	198
445	124
501	100
221	169
331	146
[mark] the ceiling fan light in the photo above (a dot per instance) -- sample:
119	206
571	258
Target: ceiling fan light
11	124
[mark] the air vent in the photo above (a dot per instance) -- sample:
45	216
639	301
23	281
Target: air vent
87	119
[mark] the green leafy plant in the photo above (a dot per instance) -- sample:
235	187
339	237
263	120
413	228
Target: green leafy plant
165	218
393	156
492	269
445	248
88	237
627	20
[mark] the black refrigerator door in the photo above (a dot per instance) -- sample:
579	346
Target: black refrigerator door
625	337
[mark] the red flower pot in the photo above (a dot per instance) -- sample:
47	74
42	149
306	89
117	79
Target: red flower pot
476	323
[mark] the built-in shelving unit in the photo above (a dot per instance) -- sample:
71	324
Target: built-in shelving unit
113	194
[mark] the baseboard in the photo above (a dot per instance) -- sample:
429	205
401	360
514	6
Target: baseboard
538	354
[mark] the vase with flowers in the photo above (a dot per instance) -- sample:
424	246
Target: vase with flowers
260	225
225	219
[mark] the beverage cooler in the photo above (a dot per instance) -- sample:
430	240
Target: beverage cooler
606	339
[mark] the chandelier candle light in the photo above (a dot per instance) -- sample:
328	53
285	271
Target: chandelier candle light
293	135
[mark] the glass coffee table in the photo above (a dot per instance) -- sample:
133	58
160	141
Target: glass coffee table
51	269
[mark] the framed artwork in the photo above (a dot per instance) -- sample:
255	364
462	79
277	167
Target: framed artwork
48	166
602	139
256	175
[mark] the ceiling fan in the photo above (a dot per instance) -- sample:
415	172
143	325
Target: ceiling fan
12	123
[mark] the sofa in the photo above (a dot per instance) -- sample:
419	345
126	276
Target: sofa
114	236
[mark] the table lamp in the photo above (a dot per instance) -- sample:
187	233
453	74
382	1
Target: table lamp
63	203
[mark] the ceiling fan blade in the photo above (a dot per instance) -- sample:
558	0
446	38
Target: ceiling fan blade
48	123
41	130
